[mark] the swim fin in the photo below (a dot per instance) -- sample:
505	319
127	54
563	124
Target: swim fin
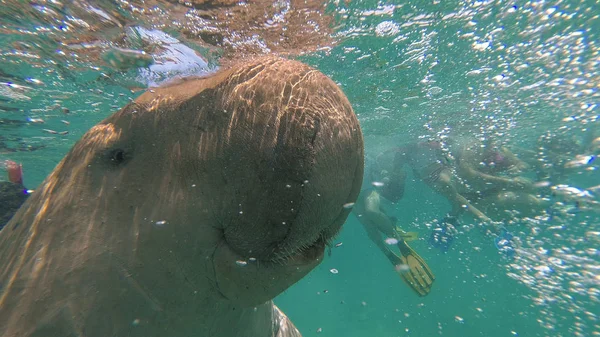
414	271
406	236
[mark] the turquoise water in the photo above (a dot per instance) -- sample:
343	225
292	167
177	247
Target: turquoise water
510	70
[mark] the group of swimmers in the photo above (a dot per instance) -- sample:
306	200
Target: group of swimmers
477	177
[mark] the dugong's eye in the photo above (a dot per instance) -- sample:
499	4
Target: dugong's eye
117	156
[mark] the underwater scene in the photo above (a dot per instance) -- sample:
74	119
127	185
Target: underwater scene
455	141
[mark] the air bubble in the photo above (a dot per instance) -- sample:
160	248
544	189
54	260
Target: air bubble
391	241
402	268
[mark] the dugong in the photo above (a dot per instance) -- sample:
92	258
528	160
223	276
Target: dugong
186	212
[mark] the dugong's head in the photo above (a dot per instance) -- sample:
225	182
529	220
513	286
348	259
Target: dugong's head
233	183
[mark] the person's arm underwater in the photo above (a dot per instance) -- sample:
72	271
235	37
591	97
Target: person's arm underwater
467	165
515	164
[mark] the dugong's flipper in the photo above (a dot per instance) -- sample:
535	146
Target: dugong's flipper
282	326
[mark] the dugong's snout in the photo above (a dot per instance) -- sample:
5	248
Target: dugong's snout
293	159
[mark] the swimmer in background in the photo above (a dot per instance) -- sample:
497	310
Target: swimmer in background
490	176
12	192
556	159
552	155
433	165
388	187
559	155
464	171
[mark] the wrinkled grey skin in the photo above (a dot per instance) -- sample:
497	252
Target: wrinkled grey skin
138	229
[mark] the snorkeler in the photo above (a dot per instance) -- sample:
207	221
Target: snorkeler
490	177
558	156
12	192
553	152
431	164
464	171
485	166
370	212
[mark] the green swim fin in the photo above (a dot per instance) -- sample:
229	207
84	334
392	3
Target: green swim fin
406	236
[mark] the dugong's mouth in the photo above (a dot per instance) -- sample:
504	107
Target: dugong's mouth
304	254
298	240
307	248
251	281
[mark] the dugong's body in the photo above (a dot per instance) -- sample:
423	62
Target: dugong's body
186	212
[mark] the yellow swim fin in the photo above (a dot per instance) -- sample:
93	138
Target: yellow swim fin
414	271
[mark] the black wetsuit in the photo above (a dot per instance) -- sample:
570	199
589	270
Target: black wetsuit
12	196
